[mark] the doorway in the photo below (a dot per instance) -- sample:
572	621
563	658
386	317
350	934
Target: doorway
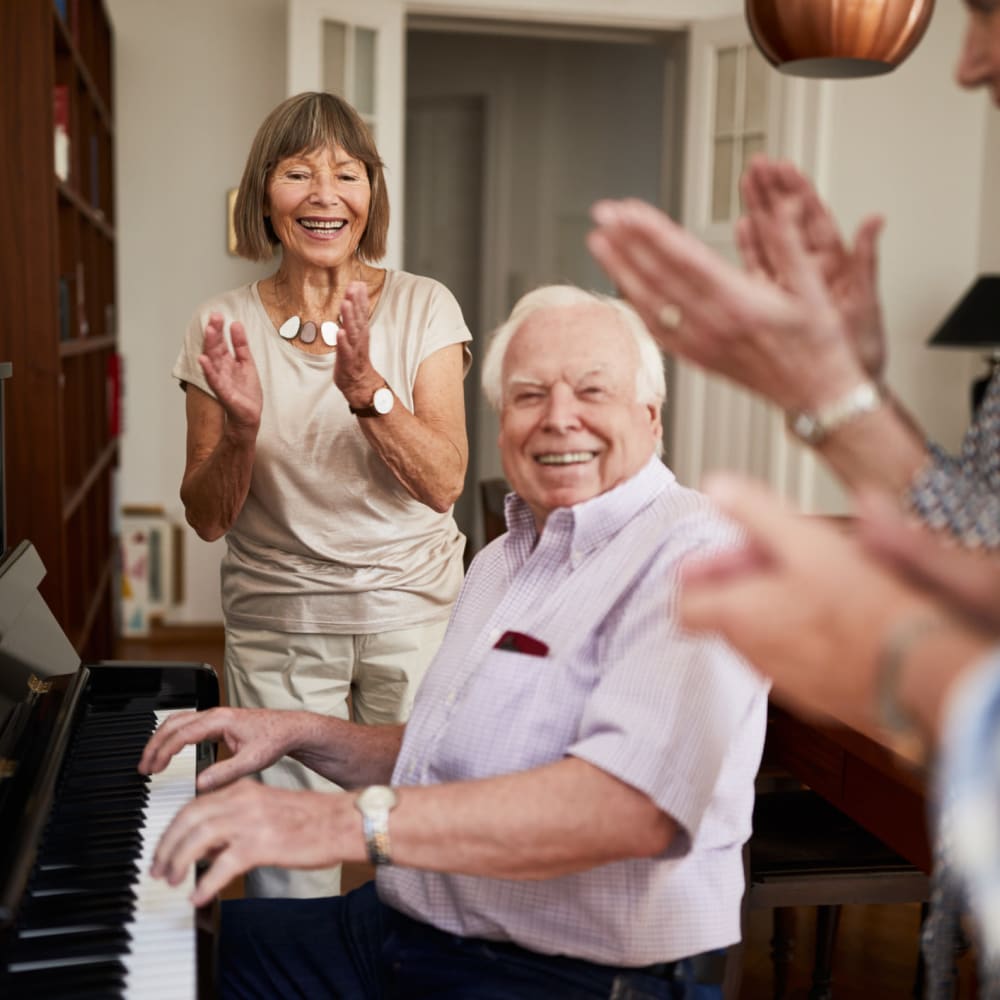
512	132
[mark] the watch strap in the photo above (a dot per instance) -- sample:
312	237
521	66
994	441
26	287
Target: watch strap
371	410
376	830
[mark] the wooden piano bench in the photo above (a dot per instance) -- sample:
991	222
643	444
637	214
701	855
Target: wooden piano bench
805	852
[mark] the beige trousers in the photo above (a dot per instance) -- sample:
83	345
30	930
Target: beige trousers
285	670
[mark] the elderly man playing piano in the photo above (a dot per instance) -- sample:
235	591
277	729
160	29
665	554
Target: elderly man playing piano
563	815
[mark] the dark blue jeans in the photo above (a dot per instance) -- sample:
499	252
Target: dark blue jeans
355	948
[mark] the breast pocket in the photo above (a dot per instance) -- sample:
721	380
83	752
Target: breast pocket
518	711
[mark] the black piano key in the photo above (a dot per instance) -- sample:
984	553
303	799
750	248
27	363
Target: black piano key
83	879
77	811
104	943
94	827
97	782
50	911
92	979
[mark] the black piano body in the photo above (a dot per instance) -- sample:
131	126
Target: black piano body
71	799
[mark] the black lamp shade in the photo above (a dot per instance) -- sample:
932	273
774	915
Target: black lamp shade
975	320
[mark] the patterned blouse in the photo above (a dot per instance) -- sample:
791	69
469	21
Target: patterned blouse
961	494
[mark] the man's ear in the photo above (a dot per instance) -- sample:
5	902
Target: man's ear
655	418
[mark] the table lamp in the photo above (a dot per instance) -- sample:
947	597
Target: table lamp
975	322
837	39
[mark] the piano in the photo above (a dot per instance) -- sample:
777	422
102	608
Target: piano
859	776
79	915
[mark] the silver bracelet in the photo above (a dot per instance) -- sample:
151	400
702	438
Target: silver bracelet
907	736
812	428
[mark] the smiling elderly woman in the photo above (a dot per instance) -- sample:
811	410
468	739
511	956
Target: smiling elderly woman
326	442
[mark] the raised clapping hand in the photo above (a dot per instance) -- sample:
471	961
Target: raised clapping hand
354	374
802	601
851	274
786	340
232	375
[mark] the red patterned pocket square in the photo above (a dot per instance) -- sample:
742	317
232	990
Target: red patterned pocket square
518	642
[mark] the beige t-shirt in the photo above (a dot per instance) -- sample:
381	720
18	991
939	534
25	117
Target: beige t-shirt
328	540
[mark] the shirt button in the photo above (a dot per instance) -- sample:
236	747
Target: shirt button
494	636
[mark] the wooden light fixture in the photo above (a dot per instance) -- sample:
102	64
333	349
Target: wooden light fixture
837	38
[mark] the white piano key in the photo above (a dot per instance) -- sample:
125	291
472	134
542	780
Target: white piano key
162	963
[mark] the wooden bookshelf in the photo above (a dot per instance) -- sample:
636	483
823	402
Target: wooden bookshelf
57	300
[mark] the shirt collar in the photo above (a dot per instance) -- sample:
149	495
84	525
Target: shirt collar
594	521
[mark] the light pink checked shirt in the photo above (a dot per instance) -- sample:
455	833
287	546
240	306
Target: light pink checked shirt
680	717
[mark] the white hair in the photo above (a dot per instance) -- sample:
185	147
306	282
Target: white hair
650	380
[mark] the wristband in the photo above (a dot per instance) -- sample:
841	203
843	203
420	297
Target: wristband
813	428
906	735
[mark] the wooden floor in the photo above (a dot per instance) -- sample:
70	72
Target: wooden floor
876	949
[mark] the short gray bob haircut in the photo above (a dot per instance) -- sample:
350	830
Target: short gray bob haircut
303	124
650	381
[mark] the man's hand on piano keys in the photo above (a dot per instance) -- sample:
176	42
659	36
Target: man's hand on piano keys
247	824
255	739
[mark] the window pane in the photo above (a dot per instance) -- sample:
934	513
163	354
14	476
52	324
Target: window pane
755	113
752	145
364	70
725	90
334	51
722	180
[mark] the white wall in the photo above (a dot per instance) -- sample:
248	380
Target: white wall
193	81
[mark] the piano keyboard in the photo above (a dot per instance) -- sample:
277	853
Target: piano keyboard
93	924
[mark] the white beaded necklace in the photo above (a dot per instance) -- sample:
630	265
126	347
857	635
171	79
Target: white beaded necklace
306	332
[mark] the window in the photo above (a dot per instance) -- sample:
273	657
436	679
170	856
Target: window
349	66
739	128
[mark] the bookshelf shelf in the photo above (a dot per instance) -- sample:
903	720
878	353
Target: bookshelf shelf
79	496
92	215
71	348
58	297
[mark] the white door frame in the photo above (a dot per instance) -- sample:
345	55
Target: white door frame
304	22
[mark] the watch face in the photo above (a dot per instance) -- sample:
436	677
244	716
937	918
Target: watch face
377	797
383	400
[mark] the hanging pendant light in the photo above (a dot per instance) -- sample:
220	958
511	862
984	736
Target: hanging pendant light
837	38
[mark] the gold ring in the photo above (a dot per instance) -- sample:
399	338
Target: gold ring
669	316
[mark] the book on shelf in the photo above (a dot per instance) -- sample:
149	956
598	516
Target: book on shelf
83	324
65	306
95	181
114	390
60	114
61	9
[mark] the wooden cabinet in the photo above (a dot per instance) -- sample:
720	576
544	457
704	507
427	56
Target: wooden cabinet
57	303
